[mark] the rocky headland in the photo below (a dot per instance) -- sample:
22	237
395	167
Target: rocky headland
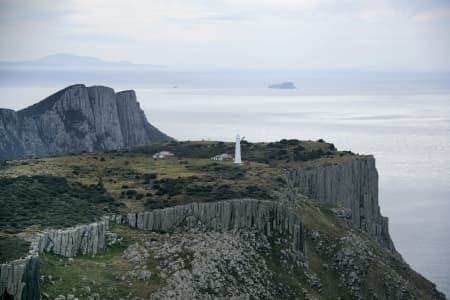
352	186
300	221
76	119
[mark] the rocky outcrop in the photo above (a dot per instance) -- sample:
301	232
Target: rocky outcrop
79	240
19	279
267	217
352	185
76	119
212	265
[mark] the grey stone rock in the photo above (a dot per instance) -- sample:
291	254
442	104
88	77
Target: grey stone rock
111	238
87	239
213	265
20	278
136	254
96	296
352	185
76	119
267	217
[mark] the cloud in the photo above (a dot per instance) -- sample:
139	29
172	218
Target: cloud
237	33
433	15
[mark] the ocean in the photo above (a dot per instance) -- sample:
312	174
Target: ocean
402	119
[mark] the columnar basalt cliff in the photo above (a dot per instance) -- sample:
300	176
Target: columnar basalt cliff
76	119
267	217
19	279
352	185
87	239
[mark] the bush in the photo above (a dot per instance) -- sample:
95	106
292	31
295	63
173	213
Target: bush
149	177
50	201
12	247
304	156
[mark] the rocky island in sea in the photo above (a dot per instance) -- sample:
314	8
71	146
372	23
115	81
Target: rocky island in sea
296	219
287	85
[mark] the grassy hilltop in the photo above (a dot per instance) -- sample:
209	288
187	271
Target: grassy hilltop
73	189
136	181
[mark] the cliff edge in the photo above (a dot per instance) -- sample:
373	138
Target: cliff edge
352	185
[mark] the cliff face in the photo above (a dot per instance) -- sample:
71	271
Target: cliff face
267	217
19	279
75	119
352	185
79	240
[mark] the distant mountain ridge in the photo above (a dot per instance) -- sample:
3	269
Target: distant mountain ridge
76	119
67	60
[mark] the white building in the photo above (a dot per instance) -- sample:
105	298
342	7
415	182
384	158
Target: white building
163	155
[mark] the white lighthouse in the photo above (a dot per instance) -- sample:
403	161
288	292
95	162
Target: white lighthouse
237	151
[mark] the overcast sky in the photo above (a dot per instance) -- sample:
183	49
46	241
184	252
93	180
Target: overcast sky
294	34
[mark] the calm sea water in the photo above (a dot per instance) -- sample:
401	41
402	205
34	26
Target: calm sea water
407	129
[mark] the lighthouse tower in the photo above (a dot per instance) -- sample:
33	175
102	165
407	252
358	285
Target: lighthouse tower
237	151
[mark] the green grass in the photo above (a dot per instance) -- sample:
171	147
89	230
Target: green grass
189	177
102	273
137	182
275	153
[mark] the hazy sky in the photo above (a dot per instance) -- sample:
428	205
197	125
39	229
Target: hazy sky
300	34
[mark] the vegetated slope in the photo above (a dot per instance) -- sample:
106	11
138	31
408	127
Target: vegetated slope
36	202
50	201
76	119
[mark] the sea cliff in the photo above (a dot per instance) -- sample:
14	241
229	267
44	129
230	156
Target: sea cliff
352	185
267	217
76	119
211	232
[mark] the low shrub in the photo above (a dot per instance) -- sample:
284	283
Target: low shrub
50	201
